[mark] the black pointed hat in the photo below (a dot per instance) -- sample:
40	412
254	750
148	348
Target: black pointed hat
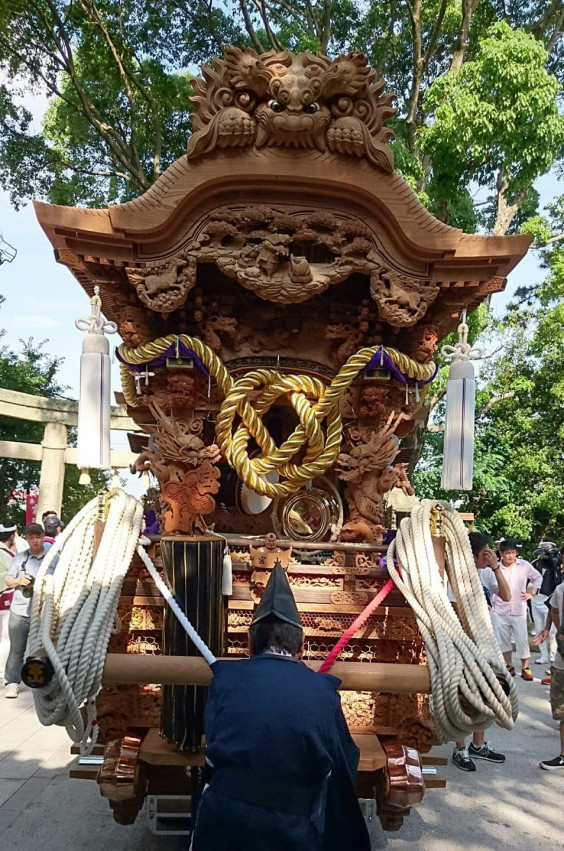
278	599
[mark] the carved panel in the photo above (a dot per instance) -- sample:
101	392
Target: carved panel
280	99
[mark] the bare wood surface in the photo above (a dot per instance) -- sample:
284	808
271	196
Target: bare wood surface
156	751
186	670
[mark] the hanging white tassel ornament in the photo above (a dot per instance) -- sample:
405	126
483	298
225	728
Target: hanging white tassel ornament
458	452
227	575
93	450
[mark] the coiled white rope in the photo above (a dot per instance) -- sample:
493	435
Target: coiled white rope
74	611
466	693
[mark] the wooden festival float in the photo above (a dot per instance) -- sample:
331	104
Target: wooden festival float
280	292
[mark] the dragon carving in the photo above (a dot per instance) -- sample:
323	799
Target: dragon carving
282	99
367	469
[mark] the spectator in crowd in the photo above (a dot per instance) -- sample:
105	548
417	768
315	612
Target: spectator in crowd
548	562
7	536
52	525
512	616
494	583
21	575
555	617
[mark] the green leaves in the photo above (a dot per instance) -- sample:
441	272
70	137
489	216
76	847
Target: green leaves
497	114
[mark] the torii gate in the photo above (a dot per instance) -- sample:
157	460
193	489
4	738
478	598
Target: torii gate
54	452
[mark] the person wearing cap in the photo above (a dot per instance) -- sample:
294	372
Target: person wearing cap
21	574
7	537
280	760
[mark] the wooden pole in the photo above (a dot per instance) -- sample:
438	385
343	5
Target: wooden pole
184	670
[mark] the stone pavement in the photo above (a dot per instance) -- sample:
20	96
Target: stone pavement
515	806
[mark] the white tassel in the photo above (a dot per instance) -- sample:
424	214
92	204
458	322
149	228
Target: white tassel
227	575
93	450
458	457
458	452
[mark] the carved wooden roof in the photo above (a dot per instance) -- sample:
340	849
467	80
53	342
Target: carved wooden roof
300	138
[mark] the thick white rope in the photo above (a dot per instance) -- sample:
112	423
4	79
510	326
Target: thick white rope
463	663
74	612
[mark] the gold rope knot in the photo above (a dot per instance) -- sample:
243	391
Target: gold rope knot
322	443
249	398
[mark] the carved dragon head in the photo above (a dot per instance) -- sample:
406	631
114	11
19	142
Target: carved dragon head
282	99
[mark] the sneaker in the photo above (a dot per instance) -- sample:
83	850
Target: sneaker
546	681
511	670
462	760
542	661
11	690
485	752
527	674
552	764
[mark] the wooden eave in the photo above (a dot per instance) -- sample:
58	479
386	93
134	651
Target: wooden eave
153	226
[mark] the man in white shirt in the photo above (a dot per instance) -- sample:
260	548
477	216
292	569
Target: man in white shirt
493	583
21	575
511	615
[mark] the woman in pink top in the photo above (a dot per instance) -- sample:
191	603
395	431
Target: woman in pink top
512	616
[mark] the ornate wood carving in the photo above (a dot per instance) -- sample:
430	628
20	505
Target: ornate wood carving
164	286
349	598
292	100
367	469
190	499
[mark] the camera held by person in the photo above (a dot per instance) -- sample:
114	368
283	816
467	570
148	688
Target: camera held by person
548	561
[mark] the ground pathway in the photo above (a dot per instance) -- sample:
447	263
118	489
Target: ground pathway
512	806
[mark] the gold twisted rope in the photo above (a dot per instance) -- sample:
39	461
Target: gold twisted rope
323	443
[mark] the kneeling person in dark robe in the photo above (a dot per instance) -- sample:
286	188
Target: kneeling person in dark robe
281	760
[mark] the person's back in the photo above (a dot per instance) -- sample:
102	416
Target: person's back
282	712
281	761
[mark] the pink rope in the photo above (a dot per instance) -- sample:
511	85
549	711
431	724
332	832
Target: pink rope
328	663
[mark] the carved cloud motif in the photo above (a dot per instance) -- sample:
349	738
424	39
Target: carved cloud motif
303	100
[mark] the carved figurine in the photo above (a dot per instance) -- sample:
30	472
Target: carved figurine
345	341
401	300
263	558
403	480
304	100
217	329
368	473
189	501
424	344
373	401
164	287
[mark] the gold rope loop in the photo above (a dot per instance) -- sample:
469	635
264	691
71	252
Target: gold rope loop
320	427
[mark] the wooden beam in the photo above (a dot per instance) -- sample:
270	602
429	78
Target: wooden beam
120	458
192	670
21	451
40	409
